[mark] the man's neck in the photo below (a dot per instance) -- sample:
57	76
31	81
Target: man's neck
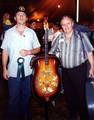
68	35
20	28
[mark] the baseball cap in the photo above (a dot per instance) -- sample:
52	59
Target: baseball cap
21	9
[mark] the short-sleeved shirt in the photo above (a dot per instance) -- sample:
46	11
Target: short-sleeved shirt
13	42
72	53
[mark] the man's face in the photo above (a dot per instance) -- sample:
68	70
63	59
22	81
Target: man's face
55	27
21	18
67	25
34	25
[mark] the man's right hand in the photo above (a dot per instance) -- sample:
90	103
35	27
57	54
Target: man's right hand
5	74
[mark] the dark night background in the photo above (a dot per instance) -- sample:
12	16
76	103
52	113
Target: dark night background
38	8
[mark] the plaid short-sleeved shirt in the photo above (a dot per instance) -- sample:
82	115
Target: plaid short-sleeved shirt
75	52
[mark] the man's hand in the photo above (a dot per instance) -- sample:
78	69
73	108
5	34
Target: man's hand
91	72
34	51
5	74
24	52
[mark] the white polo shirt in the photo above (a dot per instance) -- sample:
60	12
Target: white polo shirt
13	42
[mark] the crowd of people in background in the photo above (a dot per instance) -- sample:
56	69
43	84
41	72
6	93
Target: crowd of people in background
39	26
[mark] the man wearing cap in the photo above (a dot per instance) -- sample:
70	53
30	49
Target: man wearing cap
19	45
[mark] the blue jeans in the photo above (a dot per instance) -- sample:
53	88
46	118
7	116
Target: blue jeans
19	94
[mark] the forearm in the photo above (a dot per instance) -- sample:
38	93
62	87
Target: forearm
33	51
4	59
24	52
91	59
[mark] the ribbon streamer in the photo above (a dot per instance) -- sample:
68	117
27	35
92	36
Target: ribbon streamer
20	71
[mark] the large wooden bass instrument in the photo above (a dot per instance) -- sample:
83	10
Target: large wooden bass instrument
46	79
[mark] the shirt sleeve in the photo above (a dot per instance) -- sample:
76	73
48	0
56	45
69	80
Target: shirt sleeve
86	42
55	48
36	43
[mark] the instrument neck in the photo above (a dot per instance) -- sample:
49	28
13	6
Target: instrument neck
46	46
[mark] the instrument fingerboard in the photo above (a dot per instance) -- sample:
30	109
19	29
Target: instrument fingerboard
46	46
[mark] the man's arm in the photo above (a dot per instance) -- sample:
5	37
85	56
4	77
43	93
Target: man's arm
34	51
4	64
91	61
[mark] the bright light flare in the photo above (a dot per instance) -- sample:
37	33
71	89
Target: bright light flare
59	6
